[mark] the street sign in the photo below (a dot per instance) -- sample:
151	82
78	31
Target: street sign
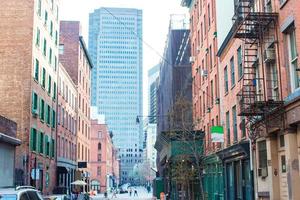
35	174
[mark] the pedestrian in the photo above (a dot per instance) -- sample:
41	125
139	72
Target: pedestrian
135	193
130	191
114	194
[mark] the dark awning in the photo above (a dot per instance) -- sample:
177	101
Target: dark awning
62	170
9	140
236	151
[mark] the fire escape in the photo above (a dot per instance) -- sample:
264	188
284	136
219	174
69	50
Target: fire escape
259	99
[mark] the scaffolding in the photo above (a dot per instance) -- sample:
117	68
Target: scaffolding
259	99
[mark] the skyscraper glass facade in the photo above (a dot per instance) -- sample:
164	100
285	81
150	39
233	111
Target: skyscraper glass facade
115	46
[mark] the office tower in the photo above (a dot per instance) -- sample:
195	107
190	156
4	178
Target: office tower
115	45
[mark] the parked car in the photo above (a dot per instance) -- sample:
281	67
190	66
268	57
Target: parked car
57	197
20	193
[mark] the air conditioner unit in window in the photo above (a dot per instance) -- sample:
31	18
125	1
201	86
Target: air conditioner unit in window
217	100
204	73
192	59
198	48
269	55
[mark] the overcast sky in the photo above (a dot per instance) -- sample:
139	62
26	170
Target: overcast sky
156	15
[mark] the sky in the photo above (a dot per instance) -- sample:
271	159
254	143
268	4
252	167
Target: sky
156	16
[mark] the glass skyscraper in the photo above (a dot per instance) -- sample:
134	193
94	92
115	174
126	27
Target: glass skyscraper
115	45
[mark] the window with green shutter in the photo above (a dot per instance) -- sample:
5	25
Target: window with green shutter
33	139
45	47
54	91
53	121
52	148
36	70
44	78
41	142
49	84
48	110
34	107
42	110
47	144
37	39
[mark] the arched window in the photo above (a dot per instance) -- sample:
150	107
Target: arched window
99	146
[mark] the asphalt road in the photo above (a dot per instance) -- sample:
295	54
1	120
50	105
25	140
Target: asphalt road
142	195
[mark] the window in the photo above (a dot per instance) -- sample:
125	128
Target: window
38	35
33	134
53	121
47	144
41	142
50	56
293	59
262	154
212	92
99	146
34	108
45	47
61	49
208	13
232	72
46	18
49	84
226	79
235	135
99	134
42	110
228	127
281	140
283	164
51	28
210	58
52	148
243	126
98	170
48	111
58	114
54	91
39	8
56	38
240	62
43	77
36	70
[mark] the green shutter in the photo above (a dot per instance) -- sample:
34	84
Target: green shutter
53	121
36	70
38	142
34	103
54	91
44	78
52	154
33	139
48	113
42	110
49	84
46	145
41	142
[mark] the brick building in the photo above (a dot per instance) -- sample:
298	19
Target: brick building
74	57
259	99
206	90
104	161
29	60
66	130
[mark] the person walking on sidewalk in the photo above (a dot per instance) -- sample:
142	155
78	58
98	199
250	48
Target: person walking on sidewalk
135	193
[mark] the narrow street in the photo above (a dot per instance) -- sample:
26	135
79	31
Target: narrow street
142	195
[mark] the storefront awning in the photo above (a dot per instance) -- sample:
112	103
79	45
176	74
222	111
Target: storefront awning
236	151
9	140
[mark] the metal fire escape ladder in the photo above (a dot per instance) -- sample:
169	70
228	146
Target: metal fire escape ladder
253	27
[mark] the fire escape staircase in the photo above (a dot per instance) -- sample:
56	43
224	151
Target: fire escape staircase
254	29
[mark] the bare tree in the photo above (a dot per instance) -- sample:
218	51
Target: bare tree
188	143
